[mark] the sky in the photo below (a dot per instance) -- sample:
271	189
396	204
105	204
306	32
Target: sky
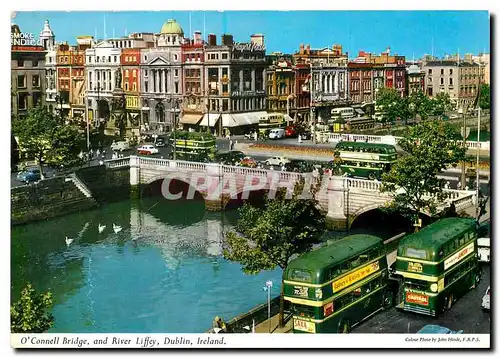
409	33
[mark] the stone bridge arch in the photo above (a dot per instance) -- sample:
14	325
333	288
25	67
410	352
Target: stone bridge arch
177	185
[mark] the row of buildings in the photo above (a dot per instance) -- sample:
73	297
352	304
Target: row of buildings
147	81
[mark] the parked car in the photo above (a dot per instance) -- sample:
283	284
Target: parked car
29	175
483	249
305	135
435	329
277	133
486	300
120	146
147	149
454	116
248	162
277	161
230	158
299	166
160	142
291	132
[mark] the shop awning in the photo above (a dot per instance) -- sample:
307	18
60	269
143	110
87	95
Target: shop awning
190	119
214	117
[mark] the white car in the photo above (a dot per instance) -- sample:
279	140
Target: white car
147	149
486	300
277	161
120	146
483	249
454	116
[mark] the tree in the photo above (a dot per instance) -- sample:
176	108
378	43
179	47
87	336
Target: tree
43	138
420	105
390	101
31	313
485	97
412	181
442	104
268	237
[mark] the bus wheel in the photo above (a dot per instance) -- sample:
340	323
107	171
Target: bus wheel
450	302
371	176
388	300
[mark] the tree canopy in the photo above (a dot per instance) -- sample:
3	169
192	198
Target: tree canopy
31	313
268	237
485	97
412	181
43	137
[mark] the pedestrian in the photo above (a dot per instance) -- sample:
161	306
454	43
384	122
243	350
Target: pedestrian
91	153
103	154
459	185
300	138
98	153
230	144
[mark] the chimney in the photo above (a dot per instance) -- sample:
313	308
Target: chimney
227	39
308	49
301	49
257	39
212	40
197	38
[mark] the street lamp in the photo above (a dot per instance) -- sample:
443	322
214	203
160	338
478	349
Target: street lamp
173	110
464	142
268	287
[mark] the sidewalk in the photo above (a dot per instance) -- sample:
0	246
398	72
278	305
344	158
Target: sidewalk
263	327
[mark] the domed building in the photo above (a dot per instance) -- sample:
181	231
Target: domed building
171	34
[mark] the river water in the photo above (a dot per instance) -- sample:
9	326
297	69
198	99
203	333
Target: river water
162	273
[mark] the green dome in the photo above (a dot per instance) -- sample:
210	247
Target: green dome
171	27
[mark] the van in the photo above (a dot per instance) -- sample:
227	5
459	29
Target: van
277	133
120	146
483	249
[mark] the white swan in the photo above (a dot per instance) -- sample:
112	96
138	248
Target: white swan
116	228
101	228
68	241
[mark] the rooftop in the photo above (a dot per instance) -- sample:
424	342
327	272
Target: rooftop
446	63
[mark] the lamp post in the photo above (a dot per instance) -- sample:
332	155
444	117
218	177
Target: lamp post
464	142
269	285
173	109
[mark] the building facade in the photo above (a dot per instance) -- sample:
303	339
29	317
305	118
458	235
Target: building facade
193	89
280	87
235	81
27	77
48	40
102	65
415	81
457	78
161	79
130	60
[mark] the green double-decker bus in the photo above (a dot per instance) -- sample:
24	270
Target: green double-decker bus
366	160
438	265
335	287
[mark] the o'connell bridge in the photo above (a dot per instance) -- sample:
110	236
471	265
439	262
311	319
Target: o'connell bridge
343	199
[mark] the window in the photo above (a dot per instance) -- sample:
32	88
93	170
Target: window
224	56
225	105
175	57
430	71
145	58
224	88
224	72
35	63
36	98
22	100
126	73
451	81
176	85
442	71
134	73
20	63
146	73
442	80
97	59
21	81
176	72
36	81
126	86
451	71
146	86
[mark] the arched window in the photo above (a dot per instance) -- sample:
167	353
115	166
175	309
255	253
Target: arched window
160	112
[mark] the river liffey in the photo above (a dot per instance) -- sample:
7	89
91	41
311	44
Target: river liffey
163	272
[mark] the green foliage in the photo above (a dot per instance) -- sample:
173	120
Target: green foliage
269	236
30	314
441	104
429	148
485	97
420	105
44	138
390	100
